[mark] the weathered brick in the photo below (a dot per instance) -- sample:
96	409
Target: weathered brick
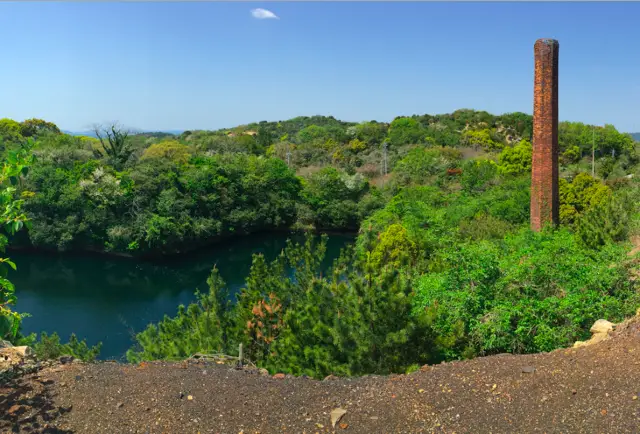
544	172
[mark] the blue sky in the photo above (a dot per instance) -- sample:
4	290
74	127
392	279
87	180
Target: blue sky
213	65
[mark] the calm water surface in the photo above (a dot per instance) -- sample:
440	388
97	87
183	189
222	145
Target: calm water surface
107	299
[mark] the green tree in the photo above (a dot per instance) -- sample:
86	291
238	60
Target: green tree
516	160
372	133
394	248
13	219
50	347
518	123
9	133
481	138
264	137
34	127
199	328
580	195
422	165
606	221
170	149
115	144
312	132
477	173
404	131
330	199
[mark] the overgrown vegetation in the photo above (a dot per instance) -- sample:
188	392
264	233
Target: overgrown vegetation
49	347
444	266
15	166
14	169
156	193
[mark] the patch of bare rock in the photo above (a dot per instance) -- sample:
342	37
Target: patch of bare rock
589	388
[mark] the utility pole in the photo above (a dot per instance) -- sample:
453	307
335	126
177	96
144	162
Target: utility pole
384	153
289	157
593	152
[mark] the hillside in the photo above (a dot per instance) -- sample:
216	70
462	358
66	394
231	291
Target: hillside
589	389
636	136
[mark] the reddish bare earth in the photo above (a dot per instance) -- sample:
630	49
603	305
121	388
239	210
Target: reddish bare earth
592	389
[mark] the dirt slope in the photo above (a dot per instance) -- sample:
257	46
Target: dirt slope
594	389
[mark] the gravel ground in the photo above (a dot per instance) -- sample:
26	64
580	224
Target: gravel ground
593	389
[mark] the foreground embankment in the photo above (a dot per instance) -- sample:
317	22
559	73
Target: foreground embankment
591	388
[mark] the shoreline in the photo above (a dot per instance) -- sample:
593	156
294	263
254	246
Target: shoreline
160	256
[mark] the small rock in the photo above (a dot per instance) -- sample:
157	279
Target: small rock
65	359
190	398
263	372
16	410
603	412
23	351
78	377
119	405
180	395
344	425
279	376
602	326
336	415
574	391
528	369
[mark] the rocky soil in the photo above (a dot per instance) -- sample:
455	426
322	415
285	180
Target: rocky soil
592	388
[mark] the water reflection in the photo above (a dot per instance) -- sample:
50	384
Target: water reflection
109	299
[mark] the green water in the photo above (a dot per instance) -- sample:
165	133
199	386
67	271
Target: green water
107	300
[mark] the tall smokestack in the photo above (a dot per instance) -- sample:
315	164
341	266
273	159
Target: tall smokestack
545	202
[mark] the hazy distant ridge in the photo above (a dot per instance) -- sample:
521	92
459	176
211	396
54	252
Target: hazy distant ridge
92	134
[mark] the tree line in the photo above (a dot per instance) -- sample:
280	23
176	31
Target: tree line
444	265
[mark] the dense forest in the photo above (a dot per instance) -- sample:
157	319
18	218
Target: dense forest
444	266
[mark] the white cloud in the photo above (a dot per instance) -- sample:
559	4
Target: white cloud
263	14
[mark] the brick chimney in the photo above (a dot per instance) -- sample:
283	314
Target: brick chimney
544	171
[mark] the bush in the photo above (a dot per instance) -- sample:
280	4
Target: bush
424	165
606	222
170	149
49	347
580	195
516	160
477	175
301	322
533	292
331	198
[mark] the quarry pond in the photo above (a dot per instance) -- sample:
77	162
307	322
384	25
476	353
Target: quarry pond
109	299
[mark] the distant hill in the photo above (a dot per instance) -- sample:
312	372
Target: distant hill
636	136
146	133
80	133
